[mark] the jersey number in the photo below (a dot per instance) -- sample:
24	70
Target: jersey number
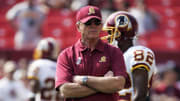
48	92
139	56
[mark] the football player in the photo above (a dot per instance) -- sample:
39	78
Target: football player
42	71
10	88
139	60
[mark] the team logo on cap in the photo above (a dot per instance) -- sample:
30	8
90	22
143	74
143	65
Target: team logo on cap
91	11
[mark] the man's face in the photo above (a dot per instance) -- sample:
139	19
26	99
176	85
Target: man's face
57	3
91	29
33	2
124	42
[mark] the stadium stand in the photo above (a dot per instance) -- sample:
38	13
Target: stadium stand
60	24
166	37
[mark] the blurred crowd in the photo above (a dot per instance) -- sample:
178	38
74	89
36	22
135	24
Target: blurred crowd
30	20
33	20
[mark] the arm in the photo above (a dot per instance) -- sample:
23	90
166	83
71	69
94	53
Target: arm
140	81
75	90
102	83
64	76
34	83
34	87
11	16
114	83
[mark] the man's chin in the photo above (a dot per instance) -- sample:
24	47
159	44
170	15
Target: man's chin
93	38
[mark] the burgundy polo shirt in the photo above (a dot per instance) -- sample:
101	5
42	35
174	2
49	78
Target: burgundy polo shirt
79	60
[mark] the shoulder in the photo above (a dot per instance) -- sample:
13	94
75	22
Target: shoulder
113	48
40	63
15	10
20	6
66	54
37	62
114	52
139	52
66	51
3	81
35	65
140	57
139	48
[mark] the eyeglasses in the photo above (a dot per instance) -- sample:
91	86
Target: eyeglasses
96	22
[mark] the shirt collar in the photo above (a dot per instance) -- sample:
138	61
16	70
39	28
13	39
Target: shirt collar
100	46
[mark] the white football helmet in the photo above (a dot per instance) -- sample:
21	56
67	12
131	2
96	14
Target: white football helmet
47	48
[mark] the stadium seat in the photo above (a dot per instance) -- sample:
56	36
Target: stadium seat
60	25
6	30
6	43
5	5
163	2
164	43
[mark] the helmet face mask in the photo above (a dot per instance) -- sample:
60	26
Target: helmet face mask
120	26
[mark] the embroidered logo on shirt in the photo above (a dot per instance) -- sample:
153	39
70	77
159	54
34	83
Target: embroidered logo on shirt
103	59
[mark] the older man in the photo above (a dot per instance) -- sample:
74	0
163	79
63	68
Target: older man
81	68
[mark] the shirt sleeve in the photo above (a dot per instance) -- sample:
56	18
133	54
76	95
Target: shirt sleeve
117	63
64	71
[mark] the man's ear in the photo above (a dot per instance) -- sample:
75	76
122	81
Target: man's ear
78	26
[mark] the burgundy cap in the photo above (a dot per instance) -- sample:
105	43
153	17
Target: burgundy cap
88	12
